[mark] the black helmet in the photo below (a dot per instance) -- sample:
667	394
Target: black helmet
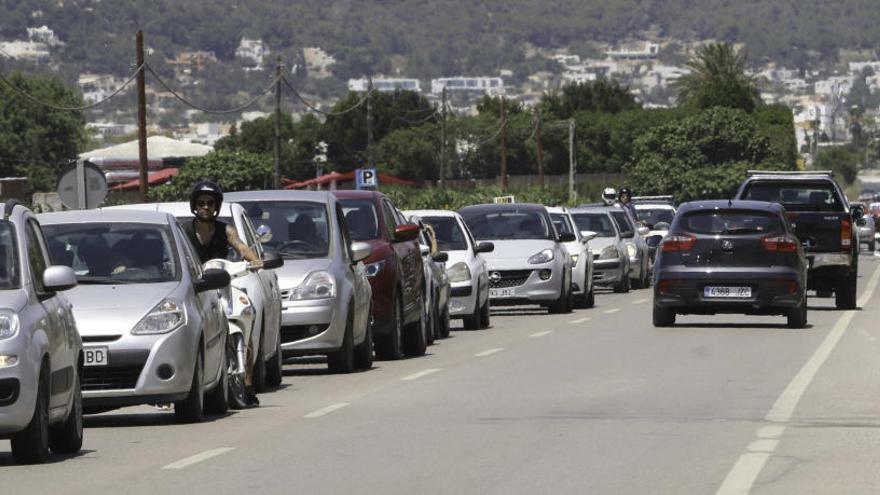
206	187
626	190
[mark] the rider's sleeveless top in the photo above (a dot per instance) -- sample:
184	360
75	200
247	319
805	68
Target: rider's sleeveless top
217	246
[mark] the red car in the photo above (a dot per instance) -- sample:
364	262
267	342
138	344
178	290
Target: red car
395	271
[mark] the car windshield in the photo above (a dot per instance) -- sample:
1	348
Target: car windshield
450	236
623	222
730	222
796	195
299	228
361	219
653	216
507	224
114	253
562	223
10	271
599	223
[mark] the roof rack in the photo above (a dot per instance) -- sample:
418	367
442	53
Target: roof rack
751	173
652	199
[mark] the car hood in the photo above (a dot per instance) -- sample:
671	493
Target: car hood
519	249
600	243
294	272
13	299
114	309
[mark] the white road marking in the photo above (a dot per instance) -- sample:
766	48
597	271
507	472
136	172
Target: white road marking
416	376
189	461
541	334
742	477
326	410
489	352
580	320
640	301
609	311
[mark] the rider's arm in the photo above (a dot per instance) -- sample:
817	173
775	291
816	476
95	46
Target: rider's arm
243	249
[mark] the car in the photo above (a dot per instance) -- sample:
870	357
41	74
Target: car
395	270
325	294
529	263
655	213
610	258
153	327
436	281
41	357
261	286
581	257
867	229
730	256
467	269
822	219
636	248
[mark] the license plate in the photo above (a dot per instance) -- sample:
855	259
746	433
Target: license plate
496	293
731	292
95	356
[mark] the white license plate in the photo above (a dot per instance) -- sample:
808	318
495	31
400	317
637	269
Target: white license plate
731	292
496	293
95	356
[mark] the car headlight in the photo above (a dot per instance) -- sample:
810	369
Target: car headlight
8	324
318	285
168	315
574	260
609	253
631	250
459	272
542	257
373	269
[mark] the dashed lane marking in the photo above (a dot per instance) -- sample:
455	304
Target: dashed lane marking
541	334
640	301
610	311
580	320
489	352
416	376
326	410
203	456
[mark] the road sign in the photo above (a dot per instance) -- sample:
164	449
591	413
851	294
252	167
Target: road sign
82	185
366	178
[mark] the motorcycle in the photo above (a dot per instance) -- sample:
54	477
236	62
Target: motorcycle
240	316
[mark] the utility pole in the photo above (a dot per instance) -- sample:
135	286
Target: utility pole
443	140
538	147
572	193
370	161
503	145
277	143
142	114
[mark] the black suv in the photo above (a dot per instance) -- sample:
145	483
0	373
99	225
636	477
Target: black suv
823	221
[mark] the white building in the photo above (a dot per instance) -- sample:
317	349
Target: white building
662	75
44	35
318	62
578	77
389	85
253	50
25	50
856	68
646	52
96	87
489	85
835	85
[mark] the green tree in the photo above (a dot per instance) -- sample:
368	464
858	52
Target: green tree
411	153
843	160
234	171
718	79
602	96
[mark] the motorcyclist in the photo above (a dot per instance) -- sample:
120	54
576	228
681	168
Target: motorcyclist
609	196
625	200
212	239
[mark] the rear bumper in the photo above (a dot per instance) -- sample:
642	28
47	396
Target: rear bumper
829	271
773	291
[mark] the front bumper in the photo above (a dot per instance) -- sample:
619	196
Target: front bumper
522	284
607	272
311	327
18	387
462	300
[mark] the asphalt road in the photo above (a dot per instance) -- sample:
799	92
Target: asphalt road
597	401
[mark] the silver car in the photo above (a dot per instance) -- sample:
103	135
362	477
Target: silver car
529	264
610	258
436	281
153	328
325	293
41	358
581	257
636	248
261	287
466	267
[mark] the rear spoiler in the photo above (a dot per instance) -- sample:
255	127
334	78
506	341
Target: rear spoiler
752	173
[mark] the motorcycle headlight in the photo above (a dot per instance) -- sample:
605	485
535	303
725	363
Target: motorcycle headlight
542	257
168	315
459	272
373	269
8	324
318	285
574	260
631	250
609	253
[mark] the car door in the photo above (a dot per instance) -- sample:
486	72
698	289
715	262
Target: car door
410	262
263	289
356	274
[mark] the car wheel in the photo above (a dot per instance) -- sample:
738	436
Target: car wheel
237	395
797	316
259	372
363	354
31	445
472	322
591	297
563	304
67	437
663	317
390	347
485	316
217	400
622	287
431	321
342	361
845	294
444	323
415	337
275	366
872	246
191	409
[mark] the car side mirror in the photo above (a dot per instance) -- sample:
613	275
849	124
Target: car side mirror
654	240
484	247
58	278
212	279
360	251
272	260
588	235
567	237
441	257
642	230
424	250
406	232
264	233
857	212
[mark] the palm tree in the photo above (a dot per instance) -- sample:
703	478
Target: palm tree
718	78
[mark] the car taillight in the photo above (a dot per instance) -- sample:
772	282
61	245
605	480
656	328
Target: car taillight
664	285
779	244
845	233
676	243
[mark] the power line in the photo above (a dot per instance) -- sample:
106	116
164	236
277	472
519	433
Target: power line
34	99
420	121
208	110
318	110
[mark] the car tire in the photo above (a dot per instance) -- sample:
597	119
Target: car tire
415	339
67	437
237	394
663	317
563	304
872	246
845	295
217	399
363	354
797	316
390	346
192	408
431	321
485	315
591	297
623	286
472	322
444	324
275	366
259	373
342	361
31	445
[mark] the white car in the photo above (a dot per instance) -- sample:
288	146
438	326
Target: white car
261	287
657	215
466	267
581	257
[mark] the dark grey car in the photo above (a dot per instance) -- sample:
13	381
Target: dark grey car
730	257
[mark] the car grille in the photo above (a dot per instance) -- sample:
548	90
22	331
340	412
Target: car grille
292	333
509	278
285	294
110	377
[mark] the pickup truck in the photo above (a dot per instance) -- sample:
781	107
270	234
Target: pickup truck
823	221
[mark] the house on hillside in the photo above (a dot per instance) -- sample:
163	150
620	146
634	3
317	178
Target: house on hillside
487	85
385	85
253	50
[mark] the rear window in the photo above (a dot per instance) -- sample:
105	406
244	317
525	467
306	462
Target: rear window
599	223
653	216
730	222
796	195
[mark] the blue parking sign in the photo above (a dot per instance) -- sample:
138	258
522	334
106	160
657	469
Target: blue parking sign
366	178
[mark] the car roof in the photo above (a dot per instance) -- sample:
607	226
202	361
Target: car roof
645	206
279	195
355	194
503	207
105	215
726	204
176	208
431	213
557	209
589	209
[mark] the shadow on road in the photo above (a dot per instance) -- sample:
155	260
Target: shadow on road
6	459
728	326
158	418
